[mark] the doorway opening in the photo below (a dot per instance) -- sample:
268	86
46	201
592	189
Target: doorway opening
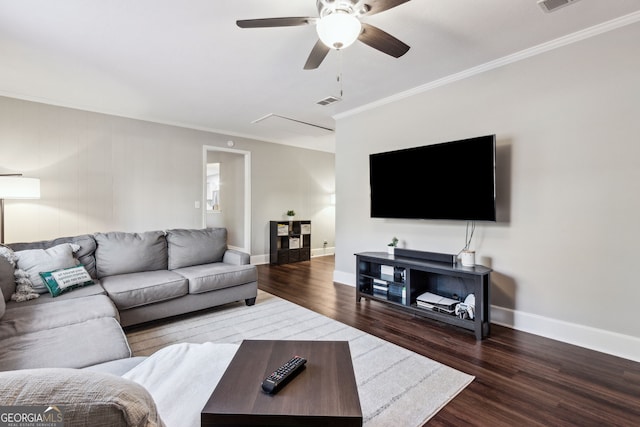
226	194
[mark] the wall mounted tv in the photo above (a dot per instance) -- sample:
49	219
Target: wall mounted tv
452	180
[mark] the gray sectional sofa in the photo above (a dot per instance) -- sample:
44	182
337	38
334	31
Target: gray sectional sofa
136	278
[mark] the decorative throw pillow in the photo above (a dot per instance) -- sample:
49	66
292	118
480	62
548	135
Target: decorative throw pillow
82	397
34	261
23	288
66	279
14	283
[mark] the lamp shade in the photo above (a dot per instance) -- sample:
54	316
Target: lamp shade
18	187
338	30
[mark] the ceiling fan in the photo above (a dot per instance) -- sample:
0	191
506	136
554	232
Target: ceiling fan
338	26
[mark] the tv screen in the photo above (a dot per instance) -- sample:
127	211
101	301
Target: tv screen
452	180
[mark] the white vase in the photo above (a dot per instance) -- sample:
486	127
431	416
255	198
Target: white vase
391	250
290	218
468	258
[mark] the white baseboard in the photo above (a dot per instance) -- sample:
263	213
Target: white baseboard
344	278
612	343
323	252
260	259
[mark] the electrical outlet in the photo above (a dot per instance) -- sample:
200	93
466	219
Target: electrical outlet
197	204
325	243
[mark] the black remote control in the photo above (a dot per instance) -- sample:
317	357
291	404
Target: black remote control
283	374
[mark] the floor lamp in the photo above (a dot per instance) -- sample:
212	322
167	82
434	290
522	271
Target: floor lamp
15	186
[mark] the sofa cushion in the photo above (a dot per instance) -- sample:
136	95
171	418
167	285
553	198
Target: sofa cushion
86	253
20	320
72	346
86	291
82	397
123	253
35	261
209	277
136	289
195	247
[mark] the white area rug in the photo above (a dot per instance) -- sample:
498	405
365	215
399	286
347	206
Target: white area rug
396	386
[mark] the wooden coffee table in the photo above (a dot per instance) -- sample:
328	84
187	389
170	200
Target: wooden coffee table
324	393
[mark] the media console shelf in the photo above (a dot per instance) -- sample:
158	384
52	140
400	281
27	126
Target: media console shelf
400	278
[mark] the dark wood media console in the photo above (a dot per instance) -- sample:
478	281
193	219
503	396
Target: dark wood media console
407	274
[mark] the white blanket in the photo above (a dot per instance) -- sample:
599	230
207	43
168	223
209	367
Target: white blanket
182	377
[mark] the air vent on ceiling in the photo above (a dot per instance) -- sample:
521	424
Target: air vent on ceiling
553	5
328	100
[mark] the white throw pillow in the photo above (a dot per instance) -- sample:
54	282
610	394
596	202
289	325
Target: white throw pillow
82	397
36	261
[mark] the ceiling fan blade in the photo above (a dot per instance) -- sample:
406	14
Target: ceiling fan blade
384	42
317	55
377	6
276	22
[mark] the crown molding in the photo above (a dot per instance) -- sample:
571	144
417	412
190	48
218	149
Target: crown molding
595	30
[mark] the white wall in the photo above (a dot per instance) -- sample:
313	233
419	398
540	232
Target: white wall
105	173
568	134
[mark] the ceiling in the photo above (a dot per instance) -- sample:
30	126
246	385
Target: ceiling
187	63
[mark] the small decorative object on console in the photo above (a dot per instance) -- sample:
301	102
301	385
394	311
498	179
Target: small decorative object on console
468	258
391	246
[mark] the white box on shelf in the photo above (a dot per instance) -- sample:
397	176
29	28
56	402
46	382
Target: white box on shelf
294	243
305	228
283	229
386	272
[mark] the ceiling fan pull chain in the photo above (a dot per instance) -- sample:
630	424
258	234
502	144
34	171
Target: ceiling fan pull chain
339	77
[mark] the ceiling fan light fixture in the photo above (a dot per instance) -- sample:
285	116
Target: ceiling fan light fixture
338	30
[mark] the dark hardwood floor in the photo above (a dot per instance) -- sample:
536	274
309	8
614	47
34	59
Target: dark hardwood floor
521	379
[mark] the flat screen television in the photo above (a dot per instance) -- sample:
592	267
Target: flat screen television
452	180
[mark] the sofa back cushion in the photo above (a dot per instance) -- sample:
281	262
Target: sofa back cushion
86	253
122	253
195	247
82	397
